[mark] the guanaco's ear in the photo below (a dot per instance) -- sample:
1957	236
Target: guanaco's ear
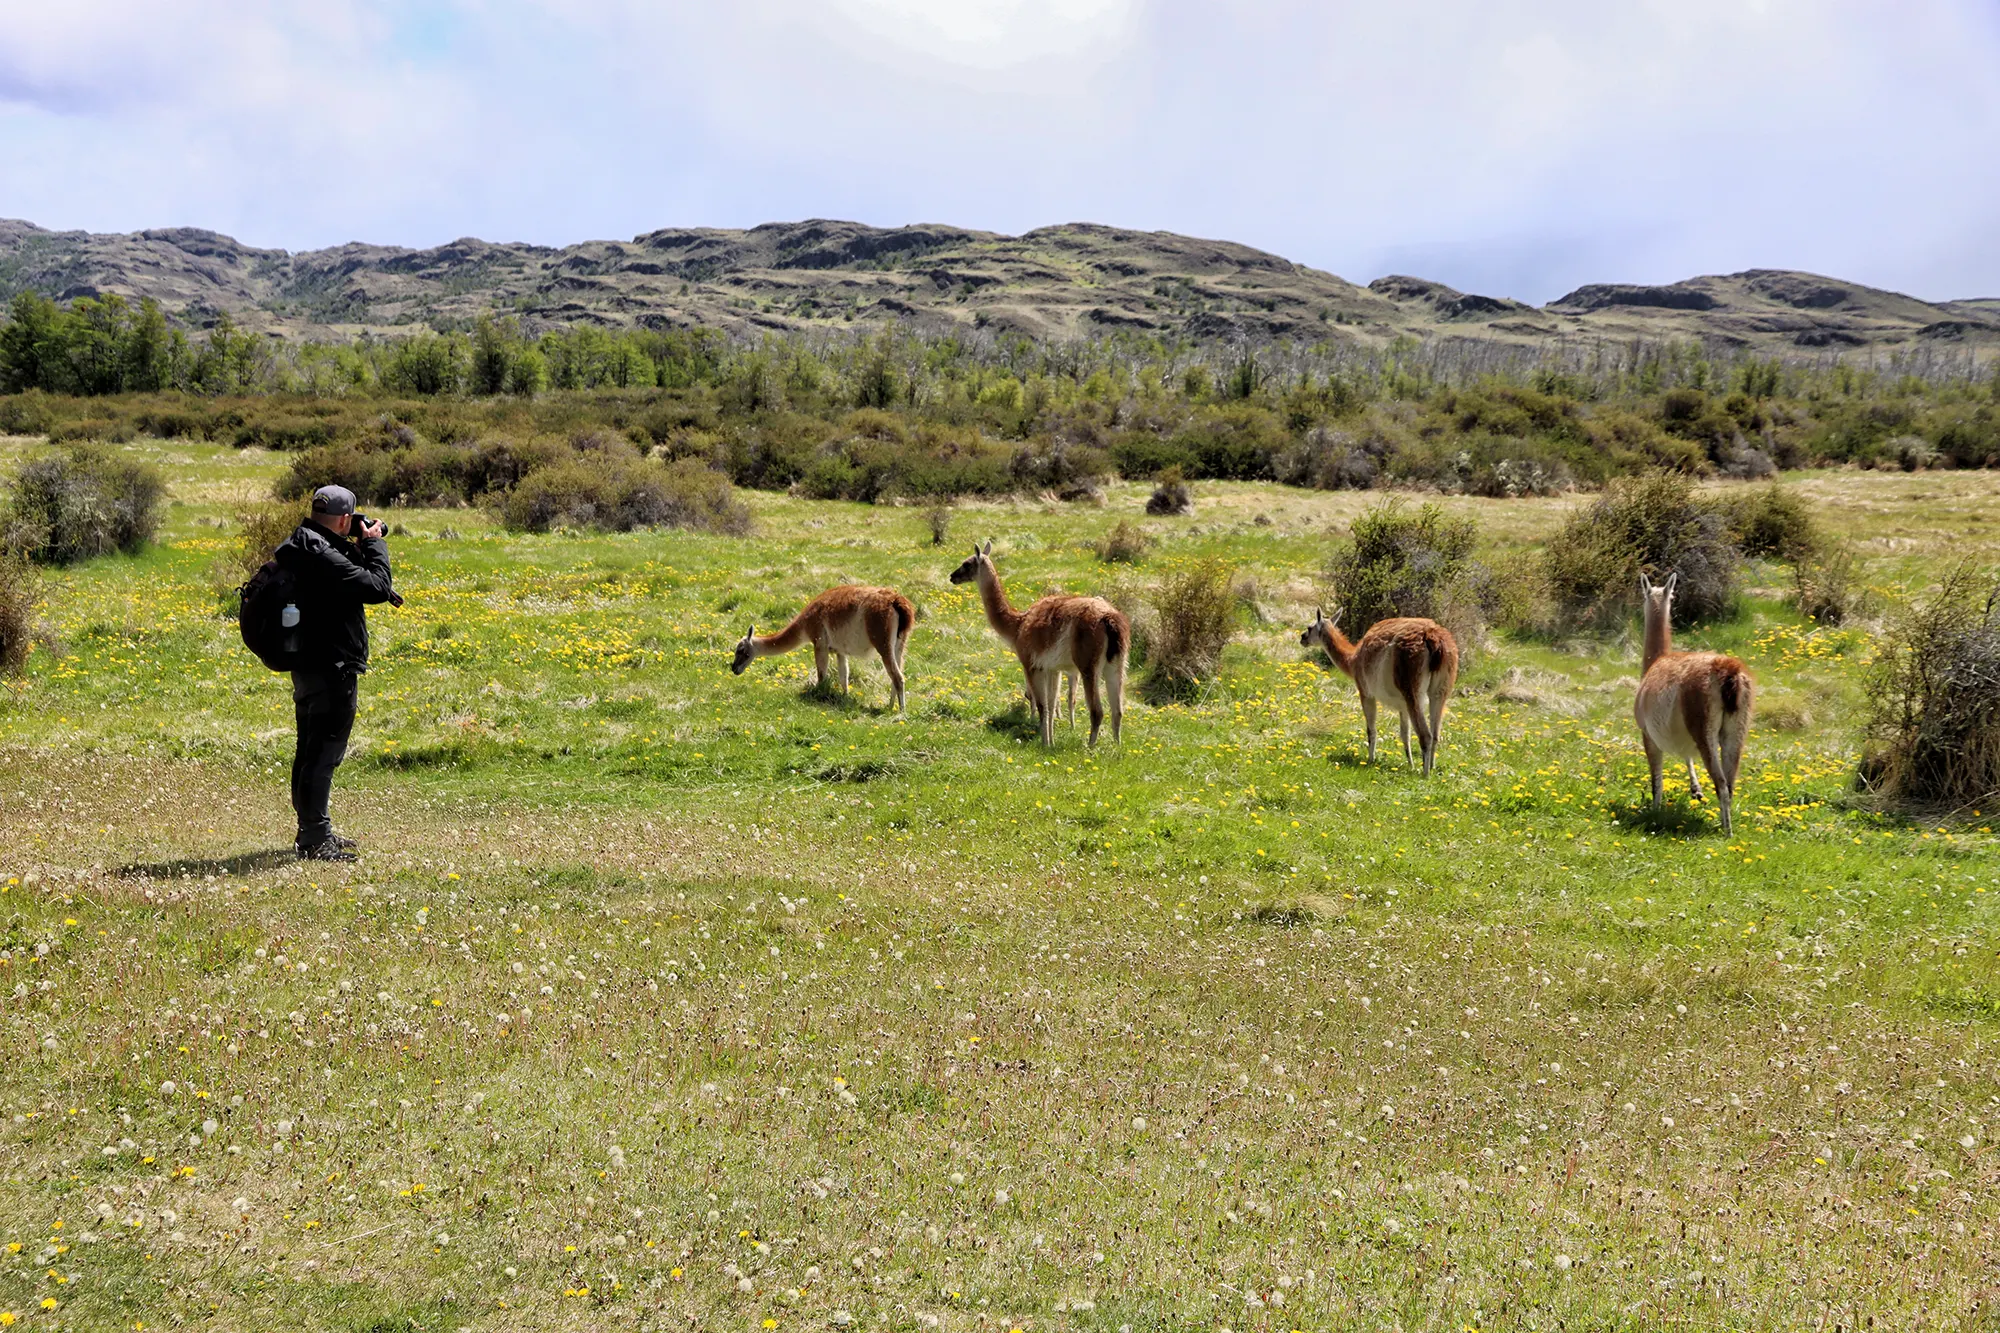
749	630
1673	580
988	550
1645	585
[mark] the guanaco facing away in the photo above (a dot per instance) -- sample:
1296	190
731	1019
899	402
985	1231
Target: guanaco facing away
1084	635
1405	662
1690	705
845	622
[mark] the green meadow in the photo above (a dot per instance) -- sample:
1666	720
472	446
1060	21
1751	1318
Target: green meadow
664	998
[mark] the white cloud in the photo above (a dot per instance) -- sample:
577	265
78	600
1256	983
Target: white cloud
1503	144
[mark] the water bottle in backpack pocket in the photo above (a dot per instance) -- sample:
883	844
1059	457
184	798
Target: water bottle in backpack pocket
269	616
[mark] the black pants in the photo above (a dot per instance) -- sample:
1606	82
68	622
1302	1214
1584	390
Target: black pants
324	702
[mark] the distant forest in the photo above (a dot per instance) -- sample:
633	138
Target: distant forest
449	417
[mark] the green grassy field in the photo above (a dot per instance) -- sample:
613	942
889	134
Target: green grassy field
663	998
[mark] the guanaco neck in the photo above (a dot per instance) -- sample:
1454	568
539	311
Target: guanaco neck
1659	635
1340	648
1000	614
786	639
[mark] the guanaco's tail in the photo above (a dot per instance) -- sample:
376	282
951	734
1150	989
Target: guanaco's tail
1114	640
1735	689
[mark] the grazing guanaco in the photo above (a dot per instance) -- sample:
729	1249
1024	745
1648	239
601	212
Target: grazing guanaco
1690	705
846	622
1087	636
1407	662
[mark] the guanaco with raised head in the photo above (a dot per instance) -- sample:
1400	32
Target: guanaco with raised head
1084	635
1406	662
842	622
1690	705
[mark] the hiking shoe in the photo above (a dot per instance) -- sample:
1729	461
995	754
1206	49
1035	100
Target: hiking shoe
330	850
345	843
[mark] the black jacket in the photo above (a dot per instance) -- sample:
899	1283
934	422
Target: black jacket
337	580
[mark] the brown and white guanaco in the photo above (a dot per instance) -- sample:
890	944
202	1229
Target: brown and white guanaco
845	622
1406	662
1085	635
1690	705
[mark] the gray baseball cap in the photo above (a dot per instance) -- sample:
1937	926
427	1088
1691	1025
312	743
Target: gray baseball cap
334	500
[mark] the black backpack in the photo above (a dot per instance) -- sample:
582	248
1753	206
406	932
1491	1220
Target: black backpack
260	613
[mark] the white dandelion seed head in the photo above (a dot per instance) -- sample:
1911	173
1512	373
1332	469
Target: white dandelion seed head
1139	1123
169	1088
1563	1262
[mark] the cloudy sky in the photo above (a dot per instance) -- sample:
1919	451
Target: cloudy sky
1515	147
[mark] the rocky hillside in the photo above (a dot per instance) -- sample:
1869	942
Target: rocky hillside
1068	281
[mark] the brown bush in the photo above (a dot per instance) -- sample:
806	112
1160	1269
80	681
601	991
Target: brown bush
20	588
1827	589
81	502
1771	521
613	494
1653	524
261	528
1194	617
1400	563
1935	689
1126	543
1171	495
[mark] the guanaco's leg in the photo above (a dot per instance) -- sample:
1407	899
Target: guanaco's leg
882	639
1114	690
1439	693
1712	761
1694	783
1045	704
1368	716
1091	700
1653	758
1414	720
819	663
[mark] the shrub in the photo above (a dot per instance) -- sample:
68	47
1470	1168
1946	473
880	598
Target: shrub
1654	524
938	518
1404	564
1825	587
1935	727
1333	460
26	414
1171	495
19	589
83	502
615	494
261	528
1194	616
1771	521
1126	543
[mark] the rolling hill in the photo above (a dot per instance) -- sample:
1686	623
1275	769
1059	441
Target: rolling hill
1076	280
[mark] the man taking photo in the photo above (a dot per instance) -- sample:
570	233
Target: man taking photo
337	578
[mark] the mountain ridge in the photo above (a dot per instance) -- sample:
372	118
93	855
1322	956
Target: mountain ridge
1065	281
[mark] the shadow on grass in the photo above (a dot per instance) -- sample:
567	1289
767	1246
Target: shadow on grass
1357	757
849	701
1017	722
243	863
1679	818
